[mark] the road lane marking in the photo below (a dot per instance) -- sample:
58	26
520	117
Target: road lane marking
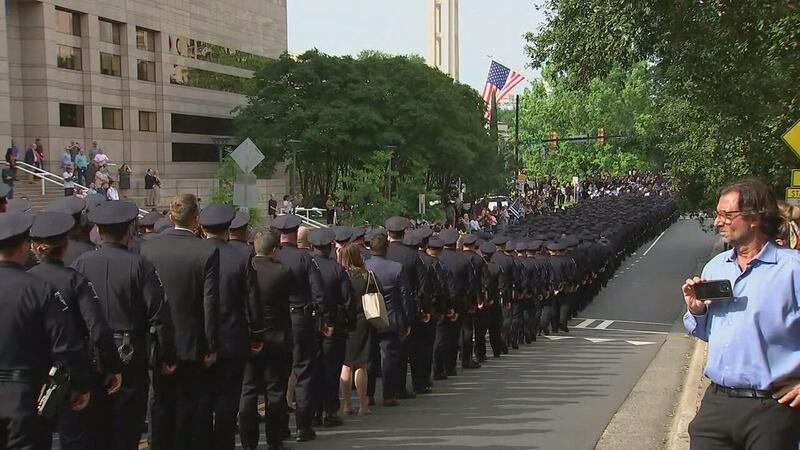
598	340
585	323
628	321
639	342
654	243
604	324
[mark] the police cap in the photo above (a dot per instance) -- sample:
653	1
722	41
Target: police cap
71	205
342	234
321	237
163	224
396	223
94	200
487	248
424	232
500	240
412	240
469	239
216	215
18	205
435	243
287	223
358	233
555	246
449	236
113	213
521	246
13	225
51	224
535	245
241	220
150	219
374	231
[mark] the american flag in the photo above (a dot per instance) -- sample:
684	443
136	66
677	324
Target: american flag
501	81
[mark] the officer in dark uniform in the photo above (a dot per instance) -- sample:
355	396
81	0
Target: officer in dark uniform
79	235
530	281
239	233
459	280
145	225
475	304
358	239
307	308
189	268
431	303
563	285
541	292
267	371
508	271
49	240
342	236
132	301
493	290
338	297
413	287
36	329
236	305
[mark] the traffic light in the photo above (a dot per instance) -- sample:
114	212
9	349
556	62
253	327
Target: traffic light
553	139
601	135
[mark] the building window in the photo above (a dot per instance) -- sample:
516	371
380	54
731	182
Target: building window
146	70
206	79
110	64
185	123
68	22
145	39
69	57
70	115
185	152
109	31
205	51
112	118
147	121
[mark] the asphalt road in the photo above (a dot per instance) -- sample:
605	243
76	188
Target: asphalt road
559	392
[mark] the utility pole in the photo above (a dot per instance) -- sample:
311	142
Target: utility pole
516	133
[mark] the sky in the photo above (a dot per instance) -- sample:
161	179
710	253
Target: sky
345	27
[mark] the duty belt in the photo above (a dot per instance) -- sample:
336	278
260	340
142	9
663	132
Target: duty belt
18	376
741	392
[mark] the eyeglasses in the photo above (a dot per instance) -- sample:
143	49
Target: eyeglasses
728	216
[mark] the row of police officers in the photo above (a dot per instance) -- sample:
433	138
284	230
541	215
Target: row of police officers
195	330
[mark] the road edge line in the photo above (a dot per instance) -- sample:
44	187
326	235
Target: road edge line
691	394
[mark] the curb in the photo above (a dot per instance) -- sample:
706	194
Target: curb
691	395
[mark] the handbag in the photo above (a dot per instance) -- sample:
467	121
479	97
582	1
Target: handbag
374	305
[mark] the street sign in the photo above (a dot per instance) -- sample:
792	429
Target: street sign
247	156
245	191
792	193
792	139
795	177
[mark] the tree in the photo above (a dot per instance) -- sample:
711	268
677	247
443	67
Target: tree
724	78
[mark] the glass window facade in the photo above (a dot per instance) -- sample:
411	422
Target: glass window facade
204	51
69	57
205	79
68	22
147	121
109	31
110	64
112	118
70	115
189	124
187	152
145	70
145	39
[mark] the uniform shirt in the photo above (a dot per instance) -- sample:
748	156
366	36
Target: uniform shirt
305	276
477	263
459	276
507	265
754	338
80	297
413	282
131	295
338	292
273	288
75	249
390	276
493	283
36	327
244	247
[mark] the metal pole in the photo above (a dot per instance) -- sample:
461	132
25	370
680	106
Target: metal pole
516	135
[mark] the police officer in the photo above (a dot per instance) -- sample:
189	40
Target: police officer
189	269
530	281
476	303
342	237
563	285
412	289
493	290
132	301
459	284
49	241
267	371
236	305
306	304
338	297
79	234
145	226
239	233
542	290
358	238
36	328
508	271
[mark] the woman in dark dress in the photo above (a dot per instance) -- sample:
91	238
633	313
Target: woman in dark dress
124	180
359	342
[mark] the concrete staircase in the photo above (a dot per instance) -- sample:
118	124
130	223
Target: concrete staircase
33	193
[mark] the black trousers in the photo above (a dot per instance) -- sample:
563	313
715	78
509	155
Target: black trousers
305	357
326	387
20	427
114	421
530	320
180	411
467	333
226	390
266	374
445	352
405	348
508	329
495	318
422	337
518	321
387	362
724	422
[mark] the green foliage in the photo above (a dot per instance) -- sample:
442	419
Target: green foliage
724	79
346	111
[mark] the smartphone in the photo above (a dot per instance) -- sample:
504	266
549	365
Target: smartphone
714	290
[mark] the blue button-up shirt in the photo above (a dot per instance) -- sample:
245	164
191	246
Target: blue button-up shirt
754	338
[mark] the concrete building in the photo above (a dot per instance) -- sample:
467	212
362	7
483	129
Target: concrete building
443	34
152	81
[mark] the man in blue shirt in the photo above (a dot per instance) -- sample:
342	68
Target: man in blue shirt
753	338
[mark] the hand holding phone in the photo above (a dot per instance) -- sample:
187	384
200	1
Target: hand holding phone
698	293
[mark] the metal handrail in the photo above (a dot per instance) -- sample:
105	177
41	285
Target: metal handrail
309	222
49	177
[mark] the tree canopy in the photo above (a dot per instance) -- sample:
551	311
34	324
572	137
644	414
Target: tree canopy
375	118
723	79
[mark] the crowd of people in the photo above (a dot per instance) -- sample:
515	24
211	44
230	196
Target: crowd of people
208	315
